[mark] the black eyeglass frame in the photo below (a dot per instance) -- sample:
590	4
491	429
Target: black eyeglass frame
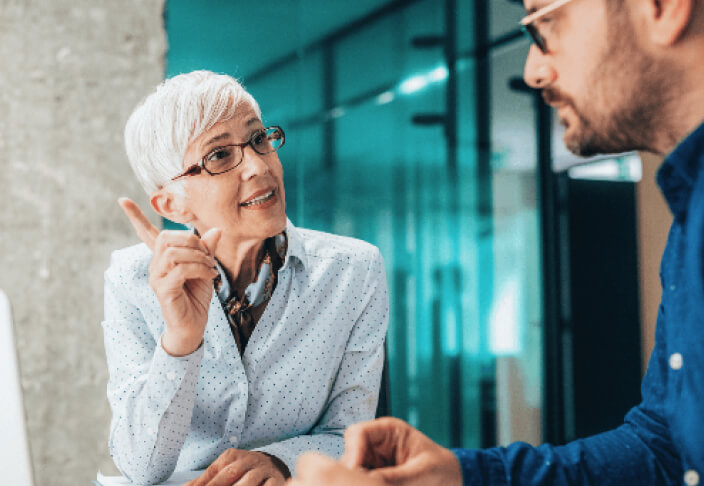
530	27
200	166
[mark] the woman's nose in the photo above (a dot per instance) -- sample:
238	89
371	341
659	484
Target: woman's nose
253	164
538	72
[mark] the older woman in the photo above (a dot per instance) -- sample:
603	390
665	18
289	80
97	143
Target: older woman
245	341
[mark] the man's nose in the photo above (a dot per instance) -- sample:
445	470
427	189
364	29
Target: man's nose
538	72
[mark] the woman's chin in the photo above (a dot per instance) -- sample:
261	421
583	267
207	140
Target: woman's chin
263	225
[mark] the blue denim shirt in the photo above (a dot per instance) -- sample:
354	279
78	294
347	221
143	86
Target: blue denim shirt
662	439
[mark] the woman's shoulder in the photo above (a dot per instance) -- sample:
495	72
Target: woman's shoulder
318	244
130	264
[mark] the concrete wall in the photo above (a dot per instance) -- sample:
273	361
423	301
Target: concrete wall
71	72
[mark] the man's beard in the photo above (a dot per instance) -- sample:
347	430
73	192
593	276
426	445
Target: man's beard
628	102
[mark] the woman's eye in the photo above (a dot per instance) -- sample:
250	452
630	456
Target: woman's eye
219	154
259	138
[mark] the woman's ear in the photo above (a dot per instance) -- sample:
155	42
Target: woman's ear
171	206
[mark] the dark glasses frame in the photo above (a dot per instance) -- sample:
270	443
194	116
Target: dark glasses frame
530	27
200	166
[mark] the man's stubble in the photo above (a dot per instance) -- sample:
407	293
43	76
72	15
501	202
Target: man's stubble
628	99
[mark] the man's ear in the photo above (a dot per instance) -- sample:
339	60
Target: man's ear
171	206
668	20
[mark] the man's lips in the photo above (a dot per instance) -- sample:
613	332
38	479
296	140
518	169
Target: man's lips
554	99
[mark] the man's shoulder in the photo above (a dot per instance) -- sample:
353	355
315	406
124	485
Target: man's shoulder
130	264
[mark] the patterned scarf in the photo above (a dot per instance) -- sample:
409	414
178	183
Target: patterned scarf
238	311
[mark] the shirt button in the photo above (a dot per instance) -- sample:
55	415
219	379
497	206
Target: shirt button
150	431
676	361
673	287
233	440
691	478
171	375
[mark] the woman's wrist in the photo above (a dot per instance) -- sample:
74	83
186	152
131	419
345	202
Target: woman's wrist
179	346
279	464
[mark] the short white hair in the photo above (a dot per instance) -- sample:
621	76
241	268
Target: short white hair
181	108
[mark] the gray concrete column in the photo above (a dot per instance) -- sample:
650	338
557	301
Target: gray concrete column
70	73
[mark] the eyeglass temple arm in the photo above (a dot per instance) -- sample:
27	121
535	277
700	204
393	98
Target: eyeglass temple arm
543	11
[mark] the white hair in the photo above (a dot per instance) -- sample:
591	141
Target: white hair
181	108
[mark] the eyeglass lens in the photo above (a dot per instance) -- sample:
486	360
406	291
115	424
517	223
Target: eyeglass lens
227	157
536	37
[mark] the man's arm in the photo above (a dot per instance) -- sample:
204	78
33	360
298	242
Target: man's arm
639	452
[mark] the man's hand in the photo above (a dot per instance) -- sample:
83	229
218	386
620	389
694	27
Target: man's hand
400	454
316	470
243	468
181	274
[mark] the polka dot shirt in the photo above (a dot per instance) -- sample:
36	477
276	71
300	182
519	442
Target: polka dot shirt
311	368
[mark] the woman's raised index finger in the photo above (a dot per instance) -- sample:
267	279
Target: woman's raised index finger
144	228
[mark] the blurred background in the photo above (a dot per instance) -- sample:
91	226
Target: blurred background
523	281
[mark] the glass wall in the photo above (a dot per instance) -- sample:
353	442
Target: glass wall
402	130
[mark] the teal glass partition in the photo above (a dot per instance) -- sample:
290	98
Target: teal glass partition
402	130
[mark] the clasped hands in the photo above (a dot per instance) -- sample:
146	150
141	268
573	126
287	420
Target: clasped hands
382	452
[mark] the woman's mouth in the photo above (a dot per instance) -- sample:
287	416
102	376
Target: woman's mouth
260	201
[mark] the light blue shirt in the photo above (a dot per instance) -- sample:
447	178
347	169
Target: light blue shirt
311	368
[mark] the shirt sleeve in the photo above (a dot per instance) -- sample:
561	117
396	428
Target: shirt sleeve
355	391
151	393
639	452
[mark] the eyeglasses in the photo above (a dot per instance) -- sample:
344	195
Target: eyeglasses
226	157
530	26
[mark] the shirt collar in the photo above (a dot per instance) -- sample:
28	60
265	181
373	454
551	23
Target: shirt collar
678	174
295	249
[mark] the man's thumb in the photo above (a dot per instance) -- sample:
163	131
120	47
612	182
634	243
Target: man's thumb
211	238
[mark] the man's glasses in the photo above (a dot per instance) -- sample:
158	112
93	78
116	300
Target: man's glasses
226	157
530	24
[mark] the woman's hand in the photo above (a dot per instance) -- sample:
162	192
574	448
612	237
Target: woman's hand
243	468
181	274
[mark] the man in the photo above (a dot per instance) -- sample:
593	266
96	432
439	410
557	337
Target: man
623	75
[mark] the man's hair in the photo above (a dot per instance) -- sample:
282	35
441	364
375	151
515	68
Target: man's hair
181	108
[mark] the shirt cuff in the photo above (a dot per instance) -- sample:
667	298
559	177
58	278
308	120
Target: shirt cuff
289	450
480	467
169	373
282	453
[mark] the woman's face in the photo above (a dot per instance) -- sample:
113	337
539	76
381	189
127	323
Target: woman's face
226	200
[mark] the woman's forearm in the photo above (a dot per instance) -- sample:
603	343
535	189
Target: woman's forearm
152	411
